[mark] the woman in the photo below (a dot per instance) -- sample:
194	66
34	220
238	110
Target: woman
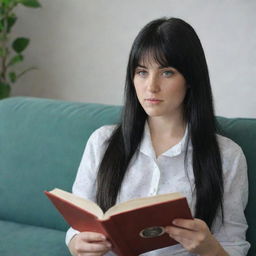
167	142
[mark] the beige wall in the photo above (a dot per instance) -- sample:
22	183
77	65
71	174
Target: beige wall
81	47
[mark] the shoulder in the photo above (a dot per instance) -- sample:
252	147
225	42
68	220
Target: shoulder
101	135
97	144
228	146
231	153
234	168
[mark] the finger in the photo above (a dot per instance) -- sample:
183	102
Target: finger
194	225
180	233
183	241
92	254
92	237
93	247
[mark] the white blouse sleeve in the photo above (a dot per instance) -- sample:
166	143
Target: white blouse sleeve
85	181
231	234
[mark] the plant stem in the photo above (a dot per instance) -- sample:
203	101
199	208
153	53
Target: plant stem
5	41
25	71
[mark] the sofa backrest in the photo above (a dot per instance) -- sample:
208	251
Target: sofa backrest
243	132
41	144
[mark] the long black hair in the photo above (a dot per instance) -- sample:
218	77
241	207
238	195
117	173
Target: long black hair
174	43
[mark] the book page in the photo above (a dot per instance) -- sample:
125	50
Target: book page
88	205
141	202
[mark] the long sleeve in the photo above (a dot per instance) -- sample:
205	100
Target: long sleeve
85	181
147	176
231	234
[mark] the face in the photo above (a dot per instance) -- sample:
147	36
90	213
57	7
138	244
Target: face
160	90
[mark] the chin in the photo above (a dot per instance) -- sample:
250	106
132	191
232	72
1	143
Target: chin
153	113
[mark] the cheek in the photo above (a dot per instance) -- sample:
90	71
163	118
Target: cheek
182	91
138	91
178	91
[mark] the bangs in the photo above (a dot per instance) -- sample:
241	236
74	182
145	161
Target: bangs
158	43
149	55
155	50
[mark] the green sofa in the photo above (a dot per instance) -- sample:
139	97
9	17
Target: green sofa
41	144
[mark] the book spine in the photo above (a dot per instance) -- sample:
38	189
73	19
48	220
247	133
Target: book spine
118	244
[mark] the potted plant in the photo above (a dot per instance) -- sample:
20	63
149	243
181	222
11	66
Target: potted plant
11	52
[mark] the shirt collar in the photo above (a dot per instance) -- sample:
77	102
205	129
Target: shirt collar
146	146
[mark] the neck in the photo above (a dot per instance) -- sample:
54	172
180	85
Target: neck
166	127
165	133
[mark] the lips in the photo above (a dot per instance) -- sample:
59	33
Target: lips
153	100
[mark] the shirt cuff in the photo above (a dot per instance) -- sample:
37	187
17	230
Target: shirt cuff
70	234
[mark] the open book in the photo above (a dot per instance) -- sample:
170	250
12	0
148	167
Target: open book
133	227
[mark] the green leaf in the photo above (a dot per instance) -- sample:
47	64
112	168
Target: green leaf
20	44
5	90
10	22
7	5
6	2
15	59
30	3
13	77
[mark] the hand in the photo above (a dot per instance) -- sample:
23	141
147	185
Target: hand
89	243
195	236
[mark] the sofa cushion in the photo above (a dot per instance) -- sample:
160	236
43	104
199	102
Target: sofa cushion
24	240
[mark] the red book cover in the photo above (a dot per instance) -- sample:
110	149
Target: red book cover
133	228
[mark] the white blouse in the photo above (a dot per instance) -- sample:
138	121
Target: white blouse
147	175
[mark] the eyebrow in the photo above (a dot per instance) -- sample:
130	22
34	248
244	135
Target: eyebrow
159	67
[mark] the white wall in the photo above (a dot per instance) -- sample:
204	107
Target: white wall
81	47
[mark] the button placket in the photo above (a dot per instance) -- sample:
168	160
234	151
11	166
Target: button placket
155	180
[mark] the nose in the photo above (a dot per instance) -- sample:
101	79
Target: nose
153	84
